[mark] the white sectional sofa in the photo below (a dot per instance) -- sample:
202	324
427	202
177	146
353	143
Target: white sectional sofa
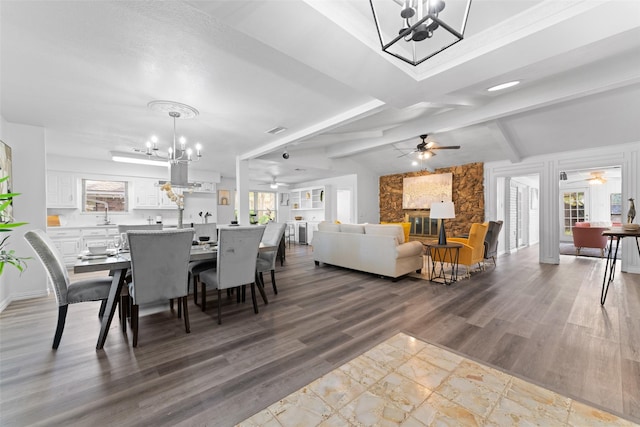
373	248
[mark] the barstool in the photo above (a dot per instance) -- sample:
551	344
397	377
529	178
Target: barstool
289	233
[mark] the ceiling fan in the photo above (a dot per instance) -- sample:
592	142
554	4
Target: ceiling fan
596	178
274	184
426	149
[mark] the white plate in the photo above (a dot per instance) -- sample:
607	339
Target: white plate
95	256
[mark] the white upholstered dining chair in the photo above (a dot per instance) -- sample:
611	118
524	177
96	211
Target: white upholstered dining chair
236	263
159	270
96	289
273	235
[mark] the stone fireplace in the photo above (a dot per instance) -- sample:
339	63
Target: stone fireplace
467	196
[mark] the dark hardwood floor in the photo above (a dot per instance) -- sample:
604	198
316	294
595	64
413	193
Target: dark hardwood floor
540	322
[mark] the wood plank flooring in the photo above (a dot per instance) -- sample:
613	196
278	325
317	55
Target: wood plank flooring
540	322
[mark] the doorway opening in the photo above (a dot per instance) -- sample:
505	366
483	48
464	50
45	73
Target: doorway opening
592	195
344	209
518	207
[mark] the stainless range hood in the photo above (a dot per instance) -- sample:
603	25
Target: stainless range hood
180	176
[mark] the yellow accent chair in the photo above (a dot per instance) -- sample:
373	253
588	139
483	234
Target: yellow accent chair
472	250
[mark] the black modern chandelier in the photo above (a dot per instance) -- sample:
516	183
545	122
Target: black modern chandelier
415	30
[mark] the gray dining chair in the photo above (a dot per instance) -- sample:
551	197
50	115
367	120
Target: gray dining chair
124	228
236	264
96	289
266	262
159	269
209	230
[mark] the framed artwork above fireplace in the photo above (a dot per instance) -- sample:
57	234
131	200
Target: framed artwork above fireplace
418	192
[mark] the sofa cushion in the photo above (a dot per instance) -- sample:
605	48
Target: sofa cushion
406	227
394	230
352	228
329	226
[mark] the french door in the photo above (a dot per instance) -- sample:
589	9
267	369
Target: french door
575	209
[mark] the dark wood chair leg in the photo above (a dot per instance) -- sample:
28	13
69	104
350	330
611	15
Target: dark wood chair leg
179	308
62	316
134	323
273	282
253	297
203	295
187	325
260	284
219	306
196	279
171	304
125	303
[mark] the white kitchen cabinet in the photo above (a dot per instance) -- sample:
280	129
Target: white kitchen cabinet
205	187
97	236
72	241
149	195
146	194
61	190
69	243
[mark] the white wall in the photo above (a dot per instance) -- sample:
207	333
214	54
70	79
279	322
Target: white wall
548	167
29	179
226	213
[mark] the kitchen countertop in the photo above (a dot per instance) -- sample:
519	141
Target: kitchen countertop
75	227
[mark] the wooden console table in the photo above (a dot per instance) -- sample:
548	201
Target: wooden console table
610	270
441	255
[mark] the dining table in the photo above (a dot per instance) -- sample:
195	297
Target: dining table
118	264
615	234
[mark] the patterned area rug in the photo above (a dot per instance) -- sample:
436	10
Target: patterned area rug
408	382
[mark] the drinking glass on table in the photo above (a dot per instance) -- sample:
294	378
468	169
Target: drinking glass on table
117	243
125	241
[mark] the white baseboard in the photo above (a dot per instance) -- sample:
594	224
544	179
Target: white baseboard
28	295
5	303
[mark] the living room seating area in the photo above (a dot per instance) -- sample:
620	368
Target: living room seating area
373	248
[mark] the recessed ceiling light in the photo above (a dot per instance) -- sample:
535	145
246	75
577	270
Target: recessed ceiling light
503	86
276	130
414	163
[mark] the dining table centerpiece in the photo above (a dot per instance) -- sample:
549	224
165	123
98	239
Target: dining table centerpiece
177	198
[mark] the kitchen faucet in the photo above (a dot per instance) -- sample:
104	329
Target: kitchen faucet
106	211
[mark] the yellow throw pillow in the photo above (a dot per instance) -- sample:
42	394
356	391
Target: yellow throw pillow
406	227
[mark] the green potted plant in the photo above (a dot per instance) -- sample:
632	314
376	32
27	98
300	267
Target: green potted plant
8	256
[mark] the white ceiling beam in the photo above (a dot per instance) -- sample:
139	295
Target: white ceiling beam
341	119
607	75
505	140
330	138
